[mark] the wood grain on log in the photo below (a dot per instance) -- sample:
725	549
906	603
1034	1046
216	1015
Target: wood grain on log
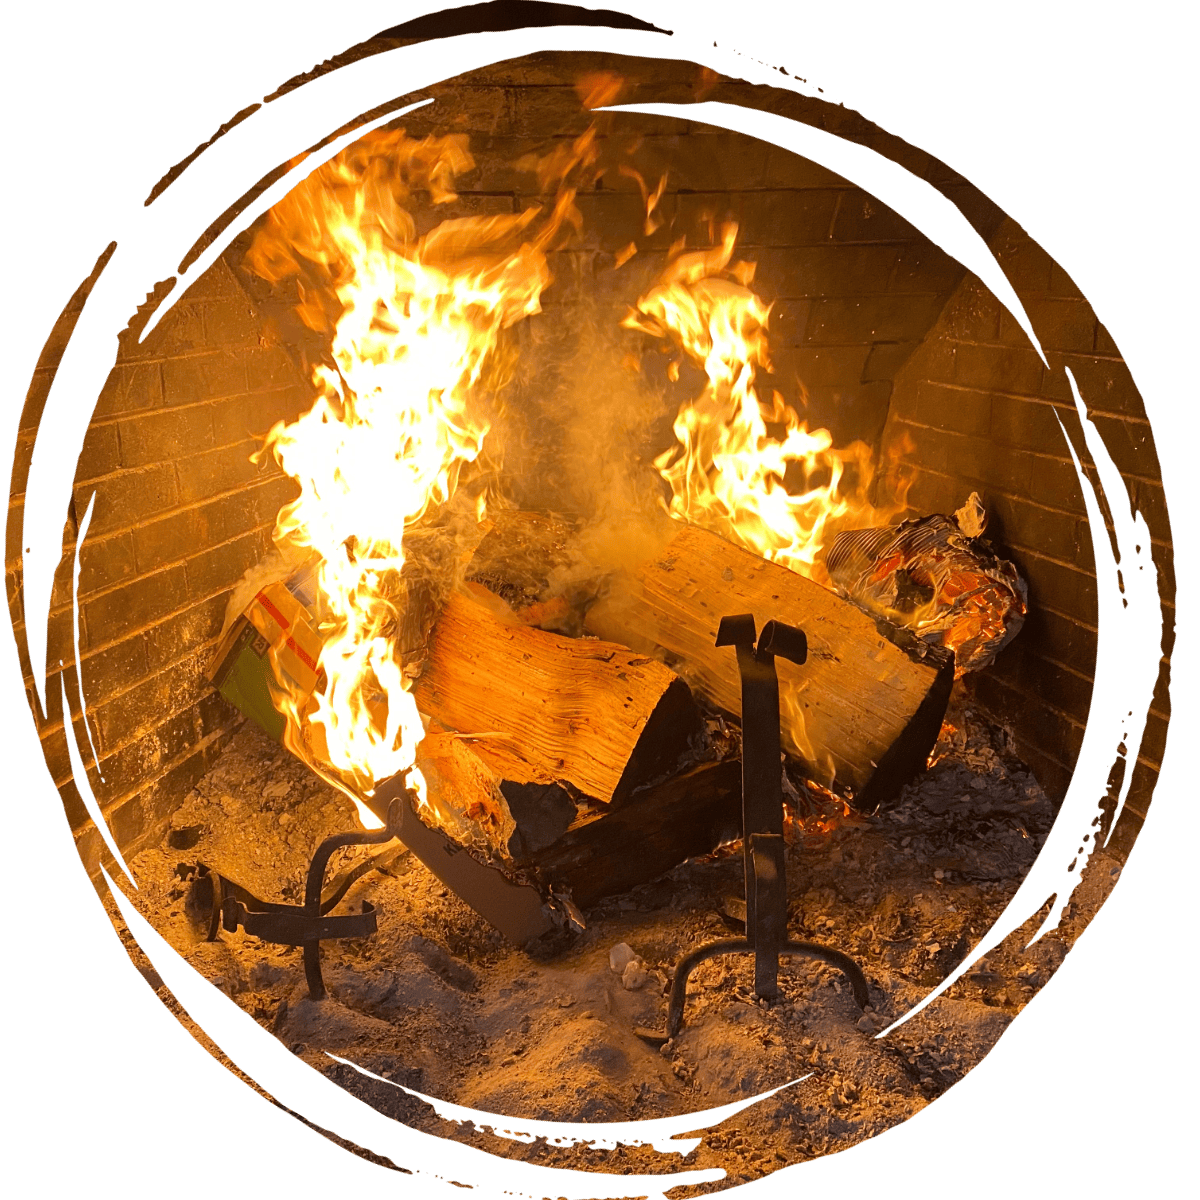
861	715
545	709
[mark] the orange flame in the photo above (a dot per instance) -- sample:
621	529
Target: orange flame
402	409
778	492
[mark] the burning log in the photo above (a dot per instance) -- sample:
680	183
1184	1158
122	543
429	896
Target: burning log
549	710
605	853
586	853
861	715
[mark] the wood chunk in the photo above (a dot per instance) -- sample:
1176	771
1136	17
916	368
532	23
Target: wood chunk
860	716
545	709
660	827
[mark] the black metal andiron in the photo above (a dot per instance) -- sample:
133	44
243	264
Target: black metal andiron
762	826
516	909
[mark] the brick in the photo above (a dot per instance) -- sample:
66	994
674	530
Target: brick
783	169
1137	806
972	314
115	614
984	215
1054	685
1053	775
825	366
885	359
1154	740
1053	482
943	407
128	823
1104	343
972	460
220	567
116	667
201	377
58	337
899	151
1064	588
127	497
207	524
194	629
824	270
1061	638
73	806
222	470
787	322
91	850
243	417
1105	384
1017	524
1162	685
105	563
1030	425
151	701
1033	721
794	217
1168	634
131	387
871	318
1131	445
271	368
1026	264
850	411
1060	325
230	324
999	368
135	763
1149	499
101	454
181	331
162	797
54	748
60	639
22	457
862	218
217	283
923	267
35	398
165	436
611	220
1061	284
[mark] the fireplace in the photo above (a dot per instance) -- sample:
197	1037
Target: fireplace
887	334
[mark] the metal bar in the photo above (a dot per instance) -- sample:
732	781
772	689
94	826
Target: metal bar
517	910
678	997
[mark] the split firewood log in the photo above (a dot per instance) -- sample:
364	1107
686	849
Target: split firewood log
860	716
543	709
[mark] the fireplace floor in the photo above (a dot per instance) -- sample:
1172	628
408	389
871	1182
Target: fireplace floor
437	1002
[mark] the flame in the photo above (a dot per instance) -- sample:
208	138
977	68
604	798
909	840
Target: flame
745	466
403	409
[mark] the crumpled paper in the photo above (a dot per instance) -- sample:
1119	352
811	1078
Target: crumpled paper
937	577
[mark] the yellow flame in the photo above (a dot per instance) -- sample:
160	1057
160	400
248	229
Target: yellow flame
744	466
402	408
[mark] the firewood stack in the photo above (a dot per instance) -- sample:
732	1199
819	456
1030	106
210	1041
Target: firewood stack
593	763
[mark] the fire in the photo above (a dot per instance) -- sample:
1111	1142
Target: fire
744	466
402	410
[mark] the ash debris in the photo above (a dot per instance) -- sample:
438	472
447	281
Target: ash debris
436	1002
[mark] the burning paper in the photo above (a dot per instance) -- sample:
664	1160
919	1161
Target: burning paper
936	576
